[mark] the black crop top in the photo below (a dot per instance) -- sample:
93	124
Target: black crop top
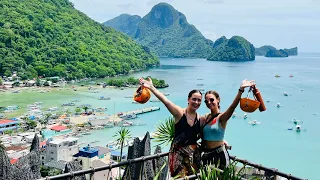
185	134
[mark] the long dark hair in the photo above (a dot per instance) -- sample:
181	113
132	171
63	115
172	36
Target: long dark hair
216	95
192	92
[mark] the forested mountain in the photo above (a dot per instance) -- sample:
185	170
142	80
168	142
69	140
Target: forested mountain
166	31
236	48
52	38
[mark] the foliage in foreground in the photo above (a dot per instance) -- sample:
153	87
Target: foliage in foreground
164	133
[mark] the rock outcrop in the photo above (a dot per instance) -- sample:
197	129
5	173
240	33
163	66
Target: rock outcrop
147	169
236	48
74	166
27	168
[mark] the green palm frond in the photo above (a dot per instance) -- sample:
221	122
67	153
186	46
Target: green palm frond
165	131
160	171
122	134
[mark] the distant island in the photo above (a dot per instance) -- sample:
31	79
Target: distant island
165	31
270	51
236	48
52	38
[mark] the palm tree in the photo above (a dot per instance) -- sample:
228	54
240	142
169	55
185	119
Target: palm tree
122	134
165	131
86	107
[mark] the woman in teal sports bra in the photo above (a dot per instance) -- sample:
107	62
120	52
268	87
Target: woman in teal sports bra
214	125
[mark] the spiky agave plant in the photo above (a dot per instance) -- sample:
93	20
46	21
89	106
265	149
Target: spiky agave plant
164	133
229	173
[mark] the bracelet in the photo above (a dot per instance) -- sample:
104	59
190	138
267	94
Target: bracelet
241	91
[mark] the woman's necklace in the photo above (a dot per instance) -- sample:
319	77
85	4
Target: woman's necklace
189	117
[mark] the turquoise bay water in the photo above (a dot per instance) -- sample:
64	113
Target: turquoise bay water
269	143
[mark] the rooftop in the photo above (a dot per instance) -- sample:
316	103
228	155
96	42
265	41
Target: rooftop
102	150
6	121
58	141
58	128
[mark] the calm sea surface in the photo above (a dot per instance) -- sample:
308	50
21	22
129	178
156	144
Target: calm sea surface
269	143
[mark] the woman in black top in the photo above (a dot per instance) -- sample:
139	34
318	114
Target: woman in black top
184	154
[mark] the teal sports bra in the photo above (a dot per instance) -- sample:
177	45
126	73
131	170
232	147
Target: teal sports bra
213	131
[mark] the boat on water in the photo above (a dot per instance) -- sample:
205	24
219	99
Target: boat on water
200	79
254	122
86	133
277	76
129	116
68	104
101	109
109	125
16	91
297	128
234	115
200	84
166	94
291	75
295	121
285	93
128	97
127	124
104	98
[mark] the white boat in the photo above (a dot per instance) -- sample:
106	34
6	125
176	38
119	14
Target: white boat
285	93
245	116
278	105
234	115
129	116
101	109
298	127
104	98
254	122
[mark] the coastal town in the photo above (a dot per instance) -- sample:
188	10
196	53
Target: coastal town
59	129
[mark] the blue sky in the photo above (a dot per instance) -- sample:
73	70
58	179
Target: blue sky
281	23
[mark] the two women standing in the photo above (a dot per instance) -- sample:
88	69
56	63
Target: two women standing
184	151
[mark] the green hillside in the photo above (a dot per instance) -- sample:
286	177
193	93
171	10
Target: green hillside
52	38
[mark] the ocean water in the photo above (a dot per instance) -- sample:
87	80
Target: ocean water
269	143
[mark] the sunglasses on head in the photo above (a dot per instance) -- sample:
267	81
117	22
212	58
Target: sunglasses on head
211	100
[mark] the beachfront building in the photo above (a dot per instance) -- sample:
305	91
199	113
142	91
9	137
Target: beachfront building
6	124
7	84
96	157
60	149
